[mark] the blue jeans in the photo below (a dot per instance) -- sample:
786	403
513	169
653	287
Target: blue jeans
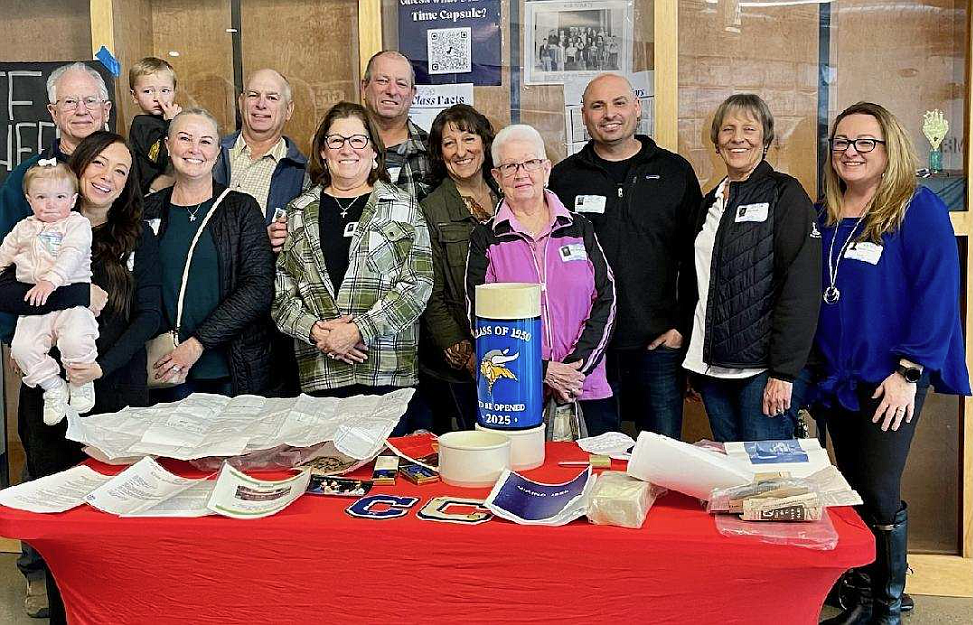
600	415
650	387
735	409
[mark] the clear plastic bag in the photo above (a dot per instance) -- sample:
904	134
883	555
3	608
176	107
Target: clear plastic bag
324	457
617	499
726	500
564	422
819	535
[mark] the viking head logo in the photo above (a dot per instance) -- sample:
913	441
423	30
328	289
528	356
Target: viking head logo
494	366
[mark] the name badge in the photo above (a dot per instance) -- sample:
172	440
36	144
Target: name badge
572	251
865	251
589	204
394	174
751	212
350	229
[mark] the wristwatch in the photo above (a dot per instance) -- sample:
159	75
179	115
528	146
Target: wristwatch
911	374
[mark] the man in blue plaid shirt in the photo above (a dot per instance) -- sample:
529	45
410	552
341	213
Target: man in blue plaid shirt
387	90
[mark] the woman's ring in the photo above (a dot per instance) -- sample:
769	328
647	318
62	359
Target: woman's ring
176	368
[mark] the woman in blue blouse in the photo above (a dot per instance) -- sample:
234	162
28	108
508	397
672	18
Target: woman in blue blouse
889	326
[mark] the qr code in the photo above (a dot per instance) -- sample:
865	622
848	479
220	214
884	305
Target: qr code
450	50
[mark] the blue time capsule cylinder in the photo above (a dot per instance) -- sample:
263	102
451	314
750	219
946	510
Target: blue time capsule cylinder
509	379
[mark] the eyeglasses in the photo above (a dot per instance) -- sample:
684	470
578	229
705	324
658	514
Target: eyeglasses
335	142
69	103
862	146
510	169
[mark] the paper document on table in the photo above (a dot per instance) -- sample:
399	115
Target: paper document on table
138	488
527	502
54	493
798	457
607	443
204	425
682	467
240	496
190	502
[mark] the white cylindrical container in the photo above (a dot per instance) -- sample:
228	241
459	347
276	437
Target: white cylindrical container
526	447
473	459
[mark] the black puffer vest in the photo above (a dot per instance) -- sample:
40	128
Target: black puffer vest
764	284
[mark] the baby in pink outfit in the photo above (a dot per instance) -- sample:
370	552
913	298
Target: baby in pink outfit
52	248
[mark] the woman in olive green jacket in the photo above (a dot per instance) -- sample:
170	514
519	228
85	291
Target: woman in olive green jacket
459	146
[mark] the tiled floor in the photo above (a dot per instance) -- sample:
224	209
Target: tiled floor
929	610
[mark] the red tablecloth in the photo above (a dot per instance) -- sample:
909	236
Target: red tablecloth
312	563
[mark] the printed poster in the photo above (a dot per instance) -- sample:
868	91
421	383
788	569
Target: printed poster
452	41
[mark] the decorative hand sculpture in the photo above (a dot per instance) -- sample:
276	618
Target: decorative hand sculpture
934	127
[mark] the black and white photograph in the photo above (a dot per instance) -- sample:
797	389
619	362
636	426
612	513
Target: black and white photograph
568	39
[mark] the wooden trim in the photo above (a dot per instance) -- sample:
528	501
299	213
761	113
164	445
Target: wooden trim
102	26
666	73
369	31
962	222
945	576
966	425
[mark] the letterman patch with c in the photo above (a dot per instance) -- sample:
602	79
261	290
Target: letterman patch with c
455	510
381	507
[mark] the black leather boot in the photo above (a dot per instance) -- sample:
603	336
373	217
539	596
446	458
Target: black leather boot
844	594
888	572
859	613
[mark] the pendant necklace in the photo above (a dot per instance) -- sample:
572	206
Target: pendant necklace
831	293
192	213
344	209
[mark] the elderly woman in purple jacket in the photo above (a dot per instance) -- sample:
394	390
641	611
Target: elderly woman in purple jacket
534	238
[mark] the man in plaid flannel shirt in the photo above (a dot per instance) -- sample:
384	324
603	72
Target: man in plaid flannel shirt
387	90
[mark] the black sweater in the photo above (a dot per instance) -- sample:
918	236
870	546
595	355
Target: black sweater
121	340
646	232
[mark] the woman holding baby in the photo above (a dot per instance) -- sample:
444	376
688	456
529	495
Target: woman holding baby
123	293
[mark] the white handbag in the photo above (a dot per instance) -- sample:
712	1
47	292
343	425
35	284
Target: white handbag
164	343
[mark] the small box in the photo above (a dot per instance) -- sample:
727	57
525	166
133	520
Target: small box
385	469
418	474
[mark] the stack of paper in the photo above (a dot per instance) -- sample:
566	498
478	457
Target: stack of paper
204	425
682	467
524	501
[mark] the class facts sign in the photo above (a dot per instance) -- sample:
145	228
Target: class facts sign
452	41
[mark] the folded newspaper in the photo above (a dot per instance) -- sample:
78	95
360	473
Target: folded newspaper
147	489
204	425
527	502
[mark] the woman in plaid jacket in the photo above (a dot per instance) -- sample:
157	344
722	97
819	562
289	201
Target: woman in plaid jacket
356	268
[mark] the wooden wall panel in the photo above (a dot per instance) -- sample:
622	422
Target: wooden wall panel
196	29
727	48
908	56
65	24
289	36
133	41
